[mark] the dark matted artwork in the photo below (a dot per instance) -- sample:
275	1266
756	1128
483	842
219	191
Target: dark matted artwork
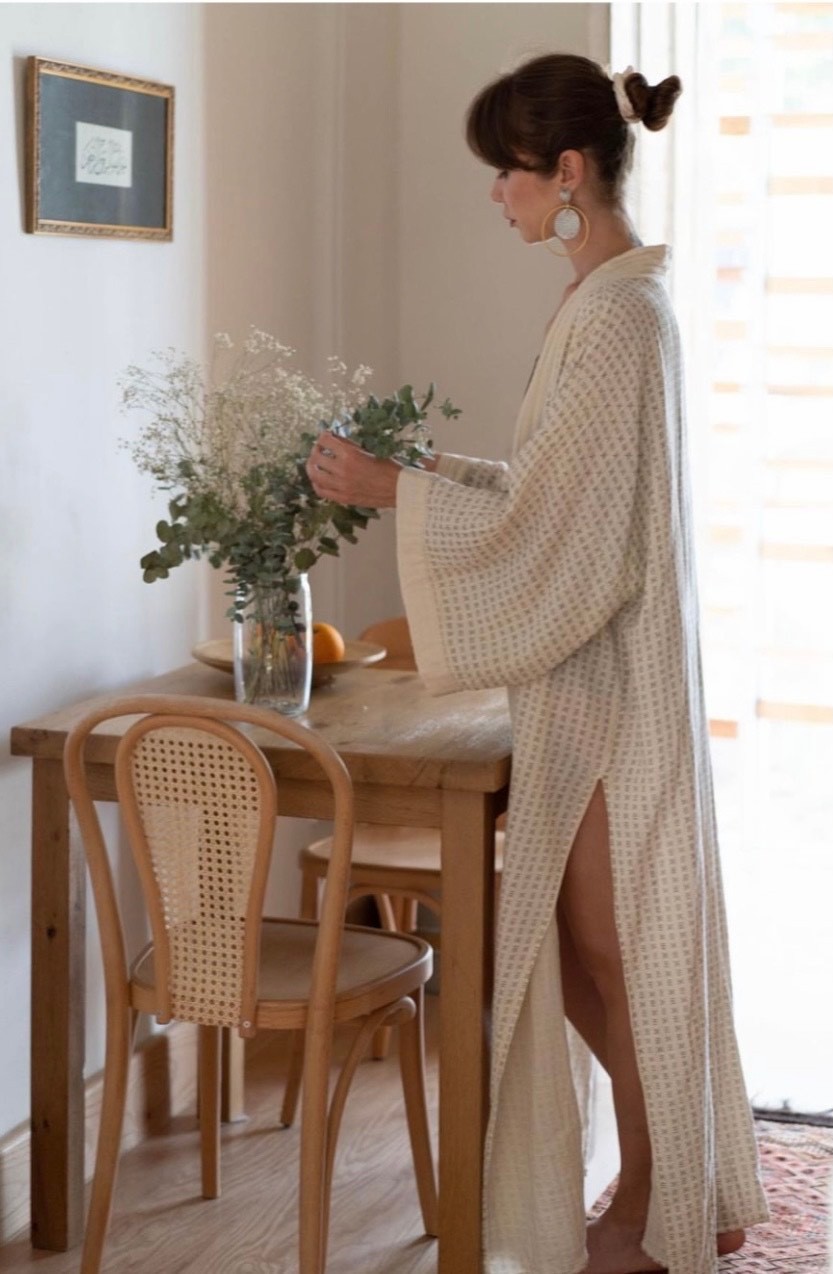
99	153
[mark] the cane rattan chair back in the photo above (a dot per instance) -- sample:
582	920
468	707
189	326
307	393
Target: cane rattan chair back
200	807
199	801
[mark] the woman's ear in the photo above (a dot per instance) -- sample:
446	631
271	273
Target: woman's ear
571	168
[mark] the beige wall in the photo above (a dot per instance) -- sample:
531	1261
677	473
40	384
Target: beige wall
345	213
302	212
371	234
474	300
323	192
463	300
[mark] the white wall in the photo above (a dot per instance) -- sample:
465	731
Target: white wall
323	192
74	516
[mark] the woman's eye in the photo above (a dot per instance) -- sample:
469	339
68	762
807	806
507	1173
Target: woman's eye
503	174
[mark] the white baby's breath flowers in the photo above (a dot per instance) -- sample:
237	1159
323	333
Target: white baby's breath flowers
253	406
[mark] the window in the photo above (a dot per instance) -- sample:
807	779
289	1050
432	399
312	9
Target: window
742	186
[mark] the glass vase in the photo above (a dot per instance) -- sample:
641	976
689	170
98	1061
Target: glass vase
273	648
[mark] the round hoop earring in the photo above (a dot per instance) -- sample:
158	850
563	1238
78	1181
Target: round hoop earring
568	222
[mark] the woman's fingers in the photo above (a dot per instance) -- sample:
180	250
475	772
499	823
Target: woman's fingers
317	467
341	471
329	470
323	466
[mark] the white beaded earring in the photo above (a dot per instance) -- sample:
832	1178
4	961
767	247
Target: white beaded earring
568	222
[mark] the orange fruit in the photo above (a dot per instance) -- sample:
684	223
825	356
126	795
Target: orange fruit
327	644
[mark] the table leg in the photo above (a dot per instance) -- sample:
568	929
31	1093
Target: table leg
57	1060
233	1088
468	832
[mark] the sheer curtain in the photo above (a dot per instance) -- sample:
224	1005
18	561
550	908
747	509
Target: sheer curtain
742	186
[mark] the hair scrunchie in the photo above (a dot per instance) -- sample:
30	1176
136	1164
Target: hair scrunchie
626	107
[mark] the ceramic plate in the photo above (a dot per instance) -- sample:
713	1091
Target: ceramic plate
218	654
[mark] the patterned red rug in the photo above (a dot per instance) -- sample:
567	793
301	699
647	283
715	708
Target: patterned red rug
797	1164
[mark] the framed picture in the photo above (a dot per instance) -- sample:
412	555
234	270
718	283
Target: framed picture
99	153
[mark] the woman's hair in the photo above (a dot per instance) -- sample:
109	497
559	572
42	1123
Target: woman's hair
564	102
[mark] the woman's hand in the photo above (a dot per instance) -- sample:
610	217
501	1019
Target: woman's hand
340	471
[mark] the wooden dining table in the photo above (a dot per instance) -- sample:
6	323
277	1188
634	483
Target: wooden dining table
415	760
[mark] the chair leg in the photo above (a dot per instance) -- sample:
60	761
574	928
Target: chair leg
394	1013
117	1061
412	1063
309	911
391	912
313	1188
295	1073
409	915
381	1044
209	1100
387	912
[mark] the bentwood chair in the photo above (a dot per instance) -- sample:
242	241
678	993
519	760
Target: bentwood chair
199	802
398	866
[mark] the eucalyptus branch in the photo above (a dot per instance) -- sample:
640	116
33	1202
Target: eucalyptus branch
231	446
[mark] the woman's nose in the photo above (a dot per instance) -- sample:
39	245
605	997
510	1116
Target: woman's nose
496	193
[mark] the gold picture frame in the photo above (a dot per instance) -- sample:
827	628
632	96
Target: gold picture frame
99	153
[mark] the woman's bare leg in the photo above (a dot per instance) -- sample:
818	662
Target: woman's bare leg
596	1002
583	1005
587	911
585	1009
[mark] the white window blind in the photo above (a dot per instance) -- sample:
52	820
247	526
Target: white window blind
742	186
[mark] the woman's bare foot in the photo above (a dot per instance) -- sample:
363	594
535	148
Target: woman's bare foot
730	1241
614	1246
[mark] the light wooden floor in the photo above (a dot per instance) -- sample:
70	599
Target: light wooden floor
161	1225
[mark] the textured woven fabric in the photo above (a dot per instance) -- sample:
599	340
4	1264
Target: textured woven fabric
568	577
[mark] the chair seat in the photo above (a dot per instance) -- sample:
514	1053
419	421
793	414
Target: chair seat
411	849
375	968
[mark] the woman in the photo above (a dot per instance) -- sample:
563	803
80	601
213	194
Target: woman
568	577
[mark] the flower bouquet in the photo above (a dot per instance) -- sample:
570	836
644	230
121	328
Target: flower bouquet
230	444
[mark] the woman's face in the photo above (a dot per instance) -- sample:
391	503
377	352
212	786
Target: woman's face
526	199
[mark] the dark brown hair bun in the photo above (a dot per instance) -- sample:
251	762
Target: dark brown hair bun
653	104
558	102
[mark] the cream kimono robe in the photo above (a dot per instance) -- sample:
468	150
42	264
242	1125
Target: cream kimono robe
568	577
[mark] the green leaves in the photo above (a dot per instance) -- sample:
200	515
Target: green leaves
391	428
264	523
304	560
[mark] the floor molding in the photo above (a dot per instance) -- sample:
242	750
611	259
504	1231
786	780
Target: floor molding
162	1084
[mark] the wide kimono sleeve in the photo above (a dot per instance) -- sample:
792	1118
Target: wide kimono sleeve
502	585
489	475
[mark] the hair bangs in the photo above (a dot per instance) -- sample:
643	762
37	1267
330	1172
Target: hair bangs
492	131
